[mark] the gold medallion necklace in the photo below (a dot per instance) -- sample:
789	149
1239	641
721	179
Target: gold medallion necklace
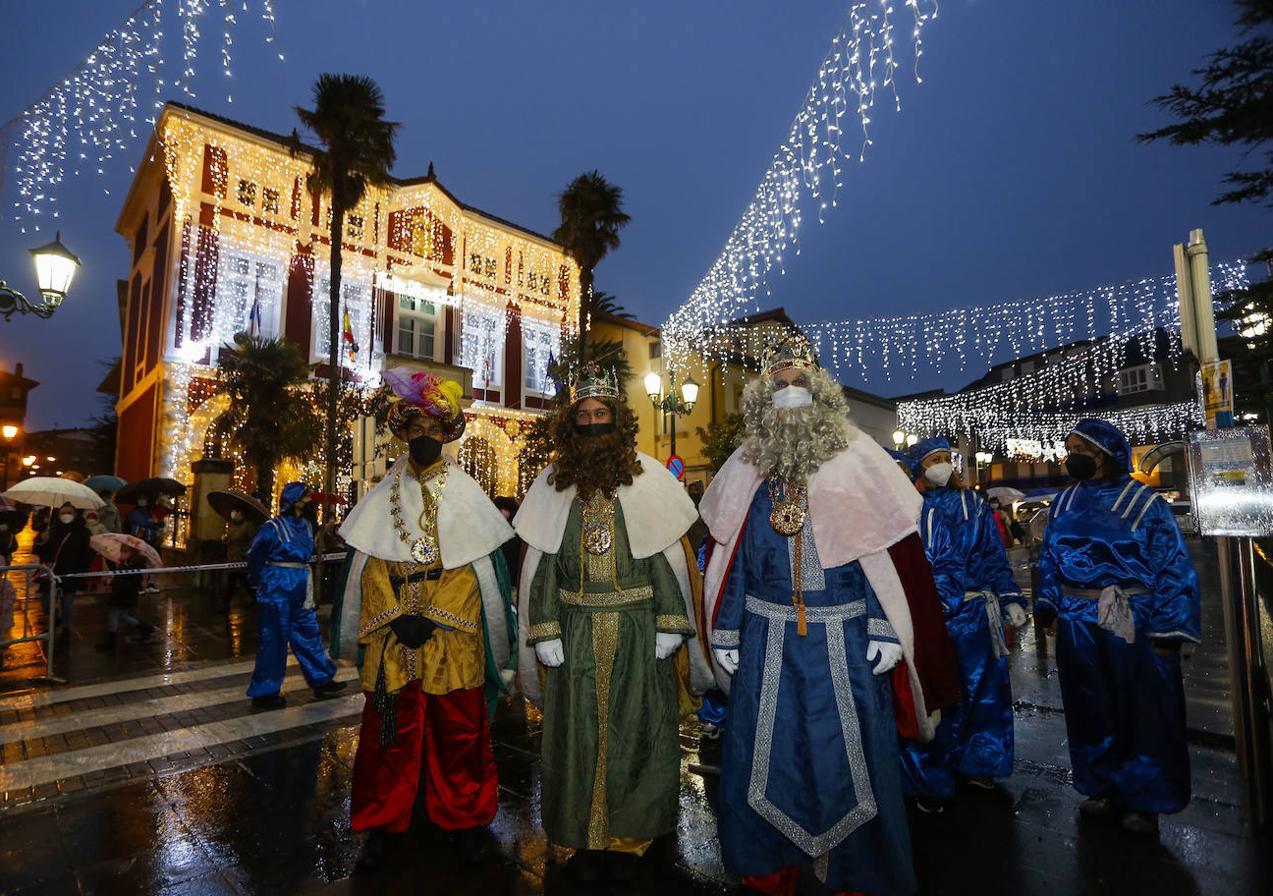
424	549
789	507
597	517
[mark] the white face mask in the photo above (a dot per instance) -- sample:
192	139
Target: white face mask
939	474
235	515
793	397
66	518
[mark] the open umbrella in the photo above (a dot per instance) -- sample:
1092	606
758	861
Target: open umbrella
104	482
155	486
327	498
225	501
50	491
1005	493
111	546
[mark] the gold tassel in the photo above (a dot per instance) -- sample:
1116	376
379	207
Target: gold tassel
802	627
797	595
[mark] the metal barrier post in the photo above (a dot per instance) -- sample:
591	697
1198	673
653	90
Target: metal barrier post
29	571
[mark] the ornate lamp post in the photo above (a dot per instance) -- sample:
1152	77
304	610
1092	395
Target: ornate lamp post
8	432
671	403
55	268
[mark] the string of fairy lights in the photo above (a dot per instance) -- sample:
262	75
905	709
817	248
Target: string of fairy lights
806	168
1038	402
89	119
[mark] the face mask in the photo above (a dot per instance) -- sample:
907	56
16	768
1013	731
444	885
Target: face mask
1080	466
235	516
66	518
595	429
939	474
142	502
425	450
4	527
793	397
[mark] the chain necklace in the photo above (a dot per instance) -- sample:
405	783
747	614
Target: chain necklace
424	549
789	506
790	509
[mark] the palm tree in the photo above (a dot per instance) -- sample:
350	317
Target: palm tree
608	303
348	119
592	213
271	414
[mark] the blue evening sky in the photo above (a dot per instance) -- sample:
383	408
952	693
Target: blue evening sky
1011	172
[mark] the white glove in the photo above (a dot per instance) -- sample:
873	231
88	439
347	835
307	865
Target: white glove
889	655
551	653
665	644
1016	615
727	659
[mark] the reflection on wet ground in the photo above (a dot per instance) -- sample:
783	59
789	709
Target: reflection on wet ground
259	803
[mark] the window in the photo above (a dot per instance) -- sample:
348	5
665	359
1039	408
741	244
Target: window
1143	378
482	345
540	341
247	193
245	279
417	328
355	298
353	227
269	201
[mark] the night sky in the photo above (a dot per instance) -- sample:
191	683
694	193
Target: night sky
1011	172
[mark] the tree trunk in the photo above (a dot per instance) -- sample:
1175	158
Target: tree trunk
333	326
265	481
585	306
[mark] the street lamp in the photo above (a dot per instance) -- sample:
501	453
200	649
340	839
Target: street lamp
911	440
899	439
9	431
55	268
671	403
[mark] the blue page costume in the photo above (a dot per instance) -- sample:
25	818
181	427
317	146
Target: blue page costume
975	735
1118	578
278	567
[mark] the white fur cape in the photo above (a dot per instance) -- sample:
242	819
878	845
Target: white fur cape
657	512
470	529
860	505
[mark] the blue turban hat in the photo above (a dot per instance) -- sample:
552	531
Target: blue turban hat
922	449
1107	437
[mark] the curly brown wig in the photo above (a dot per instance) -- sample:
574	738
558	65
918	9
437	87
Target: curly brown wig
595	463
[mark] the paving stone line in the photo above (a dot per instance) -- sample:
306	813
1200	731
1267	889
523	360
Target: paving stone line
36	699
155	707
92	760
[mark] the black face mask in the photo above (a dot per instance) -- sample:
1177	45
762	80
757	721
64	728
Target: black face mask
425	450
1080	466
595	429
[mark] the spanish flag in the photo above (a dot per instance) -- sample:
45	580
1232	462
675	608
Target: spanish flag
350	345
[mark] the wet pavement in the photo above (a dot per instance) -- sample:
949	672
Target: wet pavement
148	773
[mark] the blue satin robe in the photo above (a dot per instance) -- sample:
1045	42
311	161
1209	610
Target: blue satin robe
809	773
1124	704
975	735
281	613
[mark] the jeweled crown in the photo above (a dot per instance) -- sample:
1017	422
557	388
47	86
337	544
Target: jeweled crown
792	351
594	381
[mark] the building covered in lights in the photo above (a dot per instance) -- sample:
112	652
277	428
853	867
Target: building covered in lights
219	221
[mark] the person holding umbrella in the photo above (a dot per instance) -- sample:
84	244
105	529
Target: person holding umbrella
243	515
128	555
64	546
278	568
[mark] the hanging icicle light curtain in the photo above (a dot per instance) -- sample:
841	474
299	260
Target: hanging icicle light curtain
87	120
807	166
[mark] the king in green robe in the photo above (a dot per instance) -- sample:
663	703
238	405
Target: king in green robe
605	604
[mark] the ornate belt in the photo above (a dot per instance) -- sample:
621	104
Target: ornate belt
995	616
430	575
606	599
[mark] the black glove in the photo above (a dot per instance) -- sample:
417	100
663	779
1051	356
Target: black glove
412	631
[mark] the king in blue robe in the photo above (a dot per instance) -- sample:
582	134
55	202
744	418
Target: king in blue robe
1117	577
975	737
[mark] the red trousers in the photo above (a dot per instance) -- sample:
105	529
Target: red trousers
780	883
444	740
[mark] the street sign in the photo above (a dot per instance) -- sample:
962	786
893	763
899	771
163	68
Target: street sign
1217	393
676	466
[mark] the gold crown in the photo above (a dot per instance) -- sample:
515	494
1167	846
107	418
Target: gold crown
791	351
594	381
